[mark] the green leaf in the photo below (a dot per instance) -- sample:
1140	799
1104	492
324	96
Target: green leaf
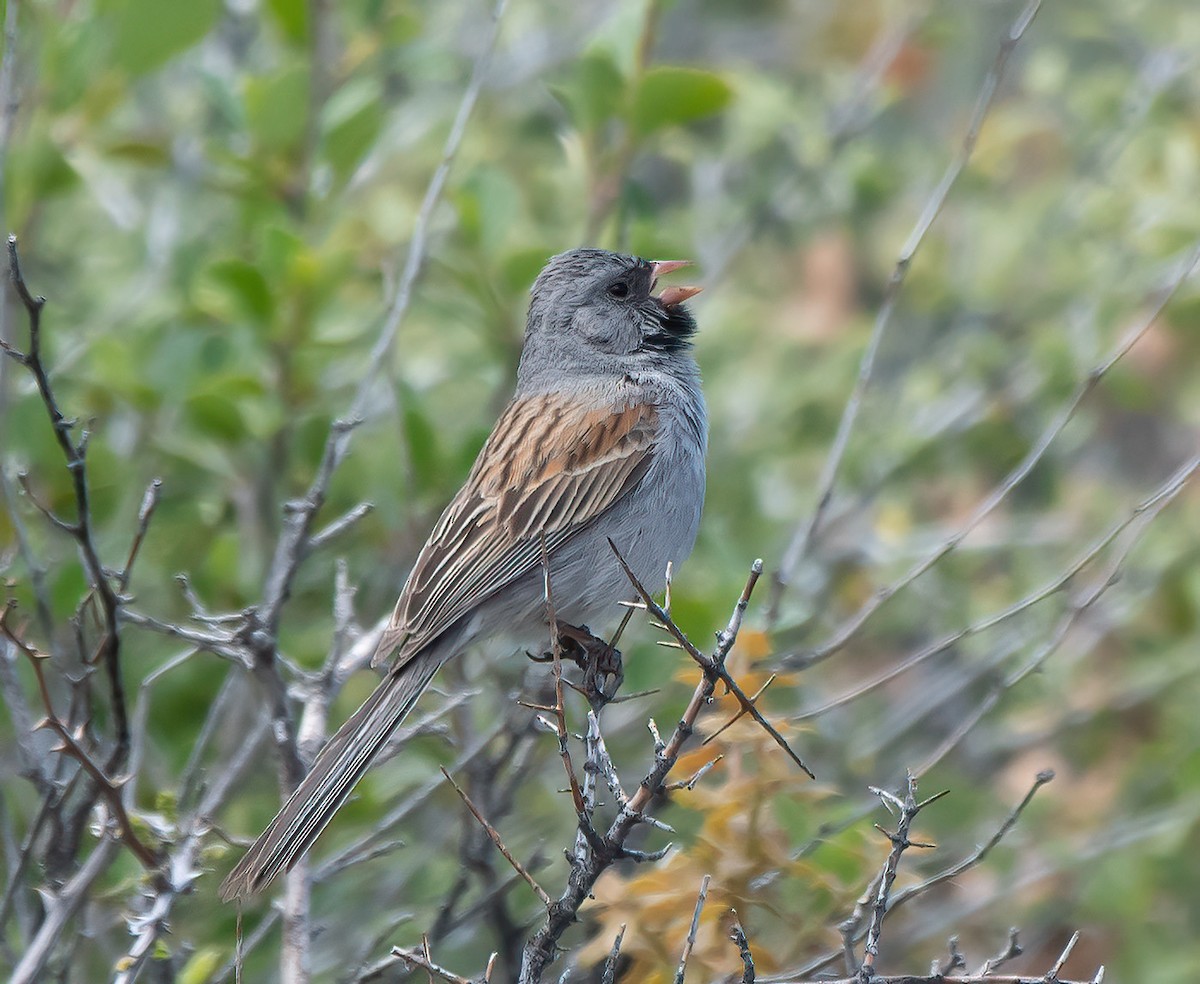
215	415
292	18
276	107
421	438
672	96
519	268
150	32
232	287
594	91
38	169
353	117
145	152
489	204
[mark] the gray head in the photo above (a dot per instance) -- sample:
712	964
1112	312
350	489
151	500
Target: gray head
593	312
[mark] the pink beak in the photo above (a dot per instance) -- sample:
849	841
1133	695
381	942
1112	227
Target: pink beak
673	295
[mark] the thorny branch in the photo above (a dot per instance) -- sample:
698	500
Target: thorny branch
596	852
68	798
877	899
422	959
71	745
108	651
714	666
908	808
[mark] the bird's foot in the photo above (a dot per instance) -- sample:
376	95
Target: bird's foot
601	663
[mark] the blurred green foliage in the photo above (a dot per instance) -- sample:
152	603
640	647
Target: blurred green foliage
216	199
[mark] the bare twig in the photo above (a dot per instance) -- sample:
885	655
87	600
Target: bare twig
500	846
609	975
604	851
848	630
852	929
1167	491
738	936
798	547
690	783
420	957
107	788
909	808
715	665
695	927
60	909
108	652
1012	950
145	512
1052	976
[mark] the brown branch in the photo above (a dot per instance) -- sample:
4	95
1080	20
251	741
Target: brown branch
106	787
500	846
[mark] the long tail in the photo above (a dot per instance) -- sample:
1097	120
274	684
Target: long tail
339	766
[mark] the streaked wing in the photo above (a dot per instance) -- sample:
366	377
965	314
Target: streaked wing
550	466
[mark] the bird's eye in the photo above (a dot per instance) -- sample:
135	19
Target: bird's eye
619	290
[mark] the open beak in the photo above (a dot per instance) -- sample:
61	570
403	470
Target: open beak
673	295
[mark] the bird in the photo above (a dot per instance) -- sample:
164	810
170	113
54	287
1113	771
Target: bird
602	446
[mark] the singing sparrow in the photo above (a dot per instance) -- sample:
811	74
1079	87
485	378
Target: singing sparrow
604	439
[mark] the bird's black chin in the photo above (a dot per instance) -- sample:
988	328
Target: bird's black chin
671	330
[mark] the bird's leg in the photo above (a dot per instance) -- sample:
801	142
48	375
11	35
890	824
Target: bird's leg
602	667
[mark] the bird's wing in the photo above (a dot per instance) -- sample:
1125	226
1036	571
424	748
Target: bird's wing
550	467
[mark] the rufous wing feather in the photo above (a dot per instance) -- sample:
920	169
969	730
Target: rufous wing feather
550	467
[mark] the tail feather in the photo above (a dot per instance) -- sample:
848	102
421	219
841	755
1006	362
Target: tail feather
337	769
